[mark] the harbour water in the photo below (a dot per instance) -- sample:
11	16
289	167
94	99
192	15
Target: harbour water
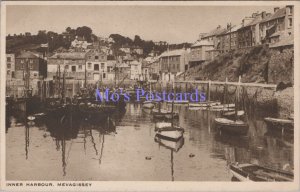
123	148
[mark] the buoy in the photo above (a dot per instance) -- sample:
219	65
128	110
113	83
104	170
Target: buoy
148	158
191	155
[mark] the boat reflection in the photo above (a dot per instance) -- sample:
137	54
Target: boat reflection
173	146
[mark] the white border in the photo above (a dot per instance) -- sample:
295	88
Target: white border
161	186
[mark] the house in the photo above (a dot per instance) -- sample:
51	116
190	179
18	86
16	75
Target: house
135	70
278	24
161	43
123	70
79	44
110	70
172	63
137	50
29	62
145	71
96	65
126	49
10	66
198	52
213	38
154	68
72	63
229	38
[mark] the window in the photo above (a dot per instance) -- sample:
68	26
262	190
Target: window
31	61
102	65
31	66
22	60
9	59
104	75
96	57
89	65
80	67
73	68
8	65
178	66
290	22
66	66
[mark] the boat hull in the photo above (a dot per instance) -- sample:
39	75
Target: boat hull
237	127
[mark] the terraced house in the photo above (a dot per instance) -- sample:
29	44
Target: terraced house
96	65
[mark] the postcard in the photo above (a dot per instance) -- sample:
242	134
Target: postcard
149	95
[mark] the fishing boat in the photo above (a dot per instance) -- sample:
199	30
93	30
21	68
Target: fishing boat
96	108
233	126
280	124
251	172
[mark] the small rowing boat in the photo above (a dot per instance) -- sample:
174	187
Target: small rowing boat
251	172
280	124
169	144
164	114
166	130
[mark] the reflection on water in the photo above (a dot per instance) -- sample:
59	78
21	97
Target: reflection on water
79	147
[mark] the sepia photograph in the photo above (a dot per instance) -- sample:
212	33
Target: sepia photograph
99	93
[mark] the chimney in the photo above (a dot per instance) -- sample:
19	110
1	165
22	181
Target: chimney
276	9
219	26
228	26
263	14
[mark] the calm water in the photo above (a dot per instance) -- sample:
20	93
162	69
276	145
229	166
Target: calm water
122	147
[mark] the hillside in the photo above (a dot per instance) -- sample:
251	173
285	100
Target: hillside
258	64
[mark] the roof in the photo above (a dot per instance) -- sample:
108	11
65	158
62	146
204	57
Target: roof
69	55
27	54
202	43
135	62
283	42
214	32
123	65
278	14
111	63
235	28
173	53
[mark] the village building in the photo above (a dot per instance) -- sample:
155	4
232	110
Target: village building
137	50
213	38
126	49
80	44
173	63
135	70
229	38
198	53
96	65
278	26
10	66
70	63
29	62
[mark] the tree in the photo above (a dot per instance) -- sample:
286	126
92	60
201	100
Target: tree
85	32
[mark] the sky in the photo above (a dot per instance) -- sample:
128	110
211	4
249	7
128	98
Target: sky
174	24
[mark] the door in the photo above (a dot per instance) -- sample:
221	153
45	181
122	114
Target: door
96	76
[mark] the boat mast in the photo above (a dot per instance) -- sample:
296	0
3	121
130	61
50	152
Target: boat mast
237	100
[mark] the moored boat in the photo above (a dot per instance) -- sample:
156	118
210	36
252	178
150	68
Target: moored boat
169	144
251	172
148	104
232	114
280	124
178	102
164	114
233	126
172	133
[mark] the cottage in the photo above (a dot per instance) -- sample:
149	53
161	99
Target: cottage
198	52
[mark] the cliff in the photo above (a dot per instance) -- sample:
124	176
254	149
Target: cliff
257	64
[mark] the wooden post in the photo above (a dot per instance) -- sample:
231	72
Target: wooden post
208	90
73	88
